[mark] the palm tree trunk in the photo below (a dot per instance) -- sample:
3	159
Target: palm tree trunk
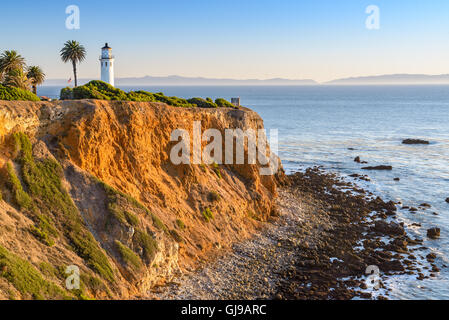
34	89
74	73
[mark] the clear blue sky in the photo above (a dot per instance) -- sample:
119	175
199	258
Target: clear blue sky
318	39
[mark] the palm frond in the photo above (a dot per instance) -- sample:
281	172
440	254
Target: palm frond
35	75
73	51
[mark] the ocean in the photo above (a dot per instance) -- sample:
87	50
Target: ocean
331	125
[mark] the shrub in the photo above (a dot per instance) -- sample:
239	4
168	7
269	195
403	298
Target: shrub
26	278
12	93
21	198
216	169
66	93
208	215
102	91
222	103
201	103
128	256
147	243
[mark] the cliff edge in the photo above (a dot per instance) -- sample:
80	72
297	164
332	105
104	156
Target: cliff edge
88	186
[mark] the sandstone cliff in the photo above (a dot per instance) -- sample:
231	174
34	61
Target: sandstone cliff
90	184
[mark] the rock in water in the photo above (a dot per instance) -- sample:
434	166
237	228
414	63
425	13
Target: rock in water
415	141
447	200
378	168
357	159
433	233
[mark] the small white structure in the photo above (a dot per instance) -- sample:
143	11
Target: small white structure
107	65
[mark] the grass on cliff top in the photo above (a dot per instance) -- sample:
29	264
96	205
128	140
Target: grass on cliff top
13	94
103	91
26	278
44	187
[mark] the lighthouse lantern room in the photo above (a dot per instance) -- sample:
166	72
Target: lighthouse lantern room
107	65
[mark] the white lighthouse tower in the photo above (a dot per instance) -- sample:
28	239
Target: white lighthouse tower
107	65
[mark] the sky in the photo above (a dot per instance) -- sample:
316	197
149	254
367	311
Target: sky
245	39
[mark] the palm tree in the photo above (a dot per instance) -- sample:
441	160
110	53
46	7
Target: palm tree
36	77
17	78
74	52
10	60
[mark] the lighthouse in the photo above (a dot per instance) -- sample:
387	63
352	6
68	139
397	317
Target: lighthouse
107	65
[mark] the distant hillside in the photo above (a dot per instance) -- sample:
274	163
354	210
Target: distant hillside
394	79
178	80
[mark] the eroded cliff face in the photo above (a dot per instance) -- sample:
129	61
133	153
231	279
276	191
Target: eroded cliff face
109	165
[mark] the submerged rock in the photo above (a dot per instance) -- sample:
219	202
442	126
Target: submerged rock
378	168
415	141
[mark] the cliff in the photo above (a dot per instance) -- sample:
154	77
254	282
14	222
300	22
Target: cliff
90	184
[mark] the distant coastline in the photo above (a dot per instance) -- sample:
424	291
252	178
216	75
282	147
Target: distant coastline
393	79
198	81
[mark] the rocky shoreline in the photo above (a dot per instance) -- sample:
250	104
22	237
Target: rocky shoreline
328	233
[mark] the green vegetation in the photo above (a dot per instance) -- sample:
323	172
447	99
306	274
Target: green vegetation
122	215
103	91
129	257
216	169
36	77
158	223
147	243
117	201
201	103
16	78
26	278
222	103
75	53
117	210
44	231
180	224
12	93
208	215
48	196
48	269
21	198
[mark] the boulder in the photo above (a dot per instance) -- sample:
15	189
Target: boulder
389	228
357	159
433	233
